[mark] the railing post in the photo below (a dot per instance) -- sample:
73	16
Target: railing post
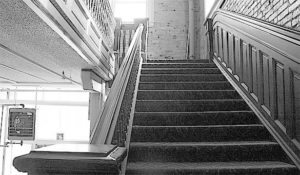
210	38
117	44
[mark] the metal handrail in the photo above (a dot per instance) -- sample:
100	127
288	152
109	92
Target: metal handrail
106	123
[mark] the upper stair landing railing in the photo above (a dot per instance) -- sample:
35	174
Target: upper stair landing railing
103	15
123	36
261	59
87	26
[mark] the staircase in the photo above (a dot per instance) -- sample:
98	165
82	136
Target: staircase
189	120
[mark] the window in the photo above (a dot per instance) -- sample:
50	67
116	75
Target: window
128	10
62	117
59	111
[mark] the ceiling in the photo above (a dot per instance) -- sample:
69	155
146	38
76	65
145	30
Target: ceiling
31	53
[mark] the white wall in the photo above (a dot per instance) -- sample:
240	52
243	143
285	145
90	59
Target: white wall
208	5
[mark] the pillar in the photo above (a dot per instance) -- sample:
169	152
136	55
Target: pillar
191	30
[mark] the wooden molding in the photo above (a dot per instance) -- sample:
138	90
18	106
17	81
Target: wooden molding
286	143
72	159
262	61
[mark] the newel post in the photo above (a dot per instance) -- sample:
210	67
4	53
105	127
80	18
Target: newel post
117	44
210	38
144	37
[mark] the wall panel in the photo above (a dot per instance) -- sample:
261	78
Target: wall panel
231	55
245	66
279	92
254	80
225	47
216	39
238	70
296	104
265	64
221	53
265	61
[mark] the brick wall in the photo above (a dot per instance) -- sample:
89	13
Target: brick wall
281	12
168	35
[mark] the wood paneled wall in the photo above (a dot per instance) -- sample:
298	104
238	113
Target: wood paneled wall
264	61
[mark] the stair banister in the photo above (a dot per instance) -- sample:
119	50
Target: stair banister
99	157
261	59
105	126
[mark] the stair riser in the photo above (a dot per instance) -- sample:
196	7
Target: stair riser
199	134
173	119
181	78
178	61
190	106
187	95
185	86
166	153
267	171
179	66
181	71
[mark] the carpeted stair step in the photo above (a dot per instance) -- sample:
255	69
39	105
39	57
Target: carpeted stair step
212	168
189	120
205	151
191	105
194	119
178	61
181	71
216	85
210	133
179	65
181	77
187	95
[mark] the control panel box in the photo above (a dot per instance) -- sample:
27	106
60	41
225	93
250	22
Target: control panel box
21	124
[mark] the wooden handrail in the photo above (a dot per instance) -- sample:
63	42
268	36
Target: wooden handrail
106	123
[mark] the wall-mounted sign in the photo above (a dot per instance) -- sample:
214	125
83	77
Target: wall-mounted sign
21	124
59	136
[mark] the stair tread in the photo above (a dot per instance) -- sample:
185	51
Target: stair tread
204	112
186	75
174	60
229	141
209	100
178	63
179	68
209	165
186	82
187	90
194	118
177	144
201	126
